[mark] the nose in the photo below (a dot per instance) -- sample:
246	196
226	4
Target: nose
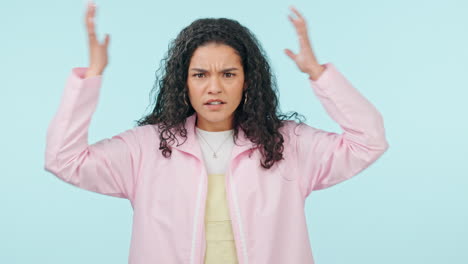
215	86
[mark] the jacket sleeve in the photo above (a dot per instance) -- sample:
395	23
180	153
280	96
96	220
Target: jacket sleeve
327	158
108	166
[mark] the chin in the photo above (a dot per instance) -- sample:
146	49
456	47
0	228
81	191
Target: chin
214	116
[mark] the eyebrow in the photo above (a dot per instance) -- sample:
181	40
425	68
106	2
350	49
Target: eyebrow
224	70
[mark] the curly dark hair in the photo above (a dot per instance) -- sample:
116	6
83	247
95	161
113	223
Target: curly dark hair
260	119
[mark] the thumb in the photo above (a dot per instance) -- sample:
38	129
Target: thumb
107	40
290	54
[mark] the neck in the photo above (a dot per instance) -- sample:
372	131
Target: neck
213	127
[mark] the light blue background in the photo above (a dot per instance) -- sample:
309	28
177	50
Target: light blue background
409	58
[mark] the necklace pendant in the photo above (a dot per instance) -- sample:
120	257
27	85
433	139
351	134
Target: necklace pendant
214	155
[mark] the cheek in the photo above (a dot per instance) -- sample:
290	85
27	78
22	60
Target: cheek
240	90
236	97
193	92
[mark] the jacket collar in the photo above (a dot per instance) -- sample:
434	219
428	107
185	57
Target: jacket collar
191	144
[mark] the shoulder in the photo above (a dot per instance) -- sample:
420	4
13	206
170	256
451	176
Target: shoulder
295	133
287	130
140	135
293	128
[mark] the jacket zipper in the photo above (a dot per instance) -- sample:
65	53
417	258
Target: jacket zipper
241	252
233	197
195	220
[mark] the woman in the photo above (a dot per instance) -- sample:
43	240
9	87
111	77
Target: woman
215	174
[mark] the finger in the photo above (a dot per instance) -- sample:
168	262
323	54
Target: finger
107	40
304	40
91	31
90	10
300	25
301	31
300	21
91	3
90	22
295	11
290	54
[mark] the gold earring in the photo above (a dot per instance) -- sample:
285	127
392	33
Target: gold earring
245	101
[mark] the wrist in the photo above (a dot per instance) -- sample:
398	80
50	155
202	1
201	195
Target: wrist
92	73
315	72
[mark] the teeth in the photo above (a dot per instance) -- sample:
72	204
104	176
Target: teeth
214	103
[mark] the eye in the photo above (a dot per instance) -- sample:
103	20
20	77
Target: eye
198	74
230	74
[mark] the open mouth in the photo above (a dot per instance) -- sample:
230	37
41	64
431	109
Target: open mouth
214	105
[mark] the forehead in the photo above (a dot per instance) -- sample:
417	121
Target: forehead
214	53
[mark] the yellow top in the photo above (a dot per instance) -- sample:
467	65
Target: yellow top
220	246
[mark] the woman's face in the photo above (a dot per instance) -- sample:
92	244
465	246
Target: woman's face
215	72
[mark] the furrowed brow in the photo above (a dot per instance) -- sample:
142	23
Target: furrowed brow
224	70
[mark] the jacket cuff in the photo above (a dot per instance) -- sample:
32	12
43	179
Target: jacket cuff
78	79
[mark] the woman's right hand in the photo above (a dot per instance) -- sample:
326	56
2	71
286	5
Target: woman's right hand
97	52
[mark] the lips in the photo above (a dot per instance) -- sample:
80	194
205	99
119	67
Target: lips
214	100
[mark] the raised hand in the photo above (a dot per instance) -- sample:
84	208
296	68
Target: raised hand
305	59
98	58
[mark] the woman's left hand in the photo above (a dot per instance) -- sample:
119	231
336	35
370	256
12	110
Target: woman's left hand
305	59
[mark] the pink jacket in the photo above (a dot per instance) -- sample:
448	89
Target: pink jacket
168	195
